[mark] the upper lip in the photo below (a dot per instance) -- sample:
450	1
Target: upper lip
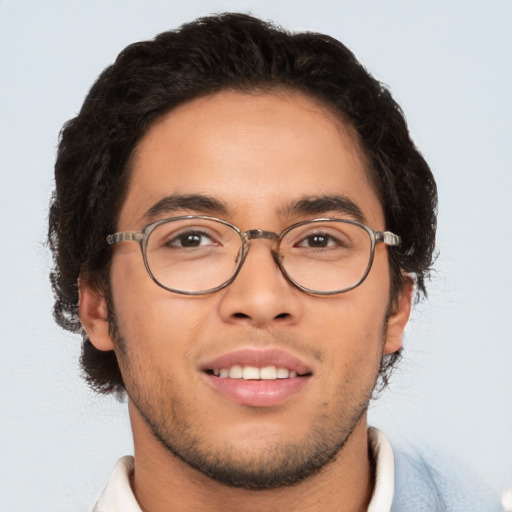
259	358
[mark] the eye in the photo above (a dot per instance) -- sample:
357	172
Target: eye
316	240
319	241
191	239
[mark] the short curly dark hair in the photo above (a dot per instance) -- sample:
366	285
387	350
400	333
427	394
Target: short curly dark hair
224	52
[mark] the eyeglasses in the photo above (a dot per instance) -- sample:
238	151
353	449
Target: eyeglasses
196	254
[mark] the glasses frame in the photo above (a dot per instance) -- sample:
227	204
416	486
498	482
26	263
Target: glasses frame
141	237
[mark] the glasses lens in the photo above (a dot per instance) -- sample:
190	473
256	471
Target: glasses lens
193	255
326	256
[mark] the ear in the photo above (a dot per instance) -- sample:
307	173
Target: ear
399	318
92	308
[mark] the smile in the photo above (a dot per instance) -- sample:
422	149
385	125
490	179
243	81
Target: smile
257	378
247	372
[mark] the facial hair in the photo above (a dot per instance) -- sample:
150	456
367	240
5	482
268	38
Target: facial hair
283	463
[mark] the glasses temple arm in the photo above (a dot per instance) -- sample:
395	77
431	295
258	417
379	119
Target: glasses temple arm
388	238
124	237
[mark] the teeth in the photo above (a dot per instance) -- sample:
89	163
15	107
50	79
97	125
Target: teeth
250	372
238	371
268	373
282	373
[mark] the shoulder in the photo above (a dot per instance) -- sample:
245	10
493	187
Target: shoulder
435	484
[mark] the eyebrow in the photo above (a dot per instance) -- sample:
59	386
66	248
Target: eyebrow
321	205
309	205
193	202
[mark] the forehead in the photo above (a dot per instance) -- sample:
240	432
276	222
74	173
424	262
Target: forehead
254	153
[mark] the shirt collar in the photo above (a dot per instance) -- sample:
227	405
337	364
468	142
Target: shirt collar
118	495
382	497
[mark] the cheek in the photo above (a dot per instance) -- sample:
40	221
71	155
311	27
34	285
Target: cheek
352	329
151	319
358	317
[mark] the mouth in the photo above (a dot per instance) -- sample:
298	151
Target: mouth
257	378
247	372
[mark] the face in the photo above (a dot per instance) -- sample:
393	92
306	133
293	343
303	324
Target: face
253	157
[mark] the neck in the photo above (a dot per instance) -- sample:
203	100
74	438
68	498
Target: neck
162	482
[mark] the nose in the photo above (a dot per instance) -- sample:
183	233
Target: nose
260	296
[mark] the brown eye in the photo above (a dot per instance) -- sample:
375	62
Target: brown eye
191	239
319	241
315	241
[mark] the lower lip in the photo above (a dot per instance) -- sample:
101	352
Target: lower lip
257	393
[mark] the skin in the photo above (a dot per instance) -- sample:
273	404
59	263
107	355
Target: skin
257	153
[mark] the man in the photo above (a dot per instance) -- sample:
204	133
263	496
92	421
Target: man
239	224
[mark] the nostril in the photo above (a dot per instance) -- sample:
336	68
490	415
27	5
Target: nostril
282	315
240	315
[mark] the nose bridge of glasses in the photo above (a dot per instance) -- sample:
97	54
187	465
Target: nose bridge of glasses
261	234
255	234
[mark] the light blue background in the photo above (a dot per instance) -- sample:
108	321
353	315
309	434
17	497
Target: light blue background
448	64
